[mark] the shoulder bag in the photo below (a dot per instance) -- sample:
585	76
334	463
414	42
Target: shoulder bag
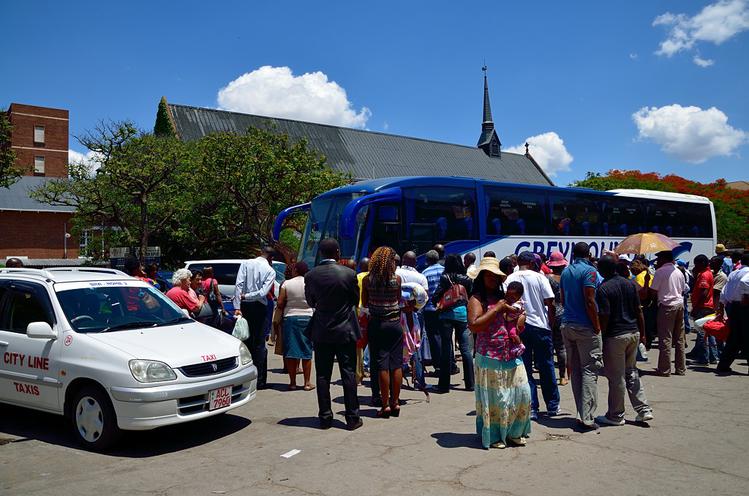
455	294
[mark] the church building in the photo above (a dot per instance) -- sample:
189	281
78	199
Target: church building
368	154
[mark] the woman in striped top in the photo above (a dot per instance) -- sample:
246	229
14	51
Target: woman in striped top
381	293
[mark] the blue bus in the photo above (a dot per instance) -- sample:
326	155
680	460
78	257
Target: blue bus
476	215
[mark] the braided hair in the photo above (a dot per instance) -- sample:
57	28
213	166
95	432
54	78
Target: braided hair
382	265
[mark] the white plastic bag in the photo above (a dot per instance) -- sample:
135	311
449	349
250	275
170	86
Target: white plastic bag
241	329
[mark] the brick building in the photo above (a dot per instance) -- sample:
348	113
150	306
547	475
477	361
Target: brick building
29	228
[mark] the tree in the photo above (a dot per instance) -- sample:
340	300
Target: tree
163	126
241	182
731	206
135	189
216	197
9	173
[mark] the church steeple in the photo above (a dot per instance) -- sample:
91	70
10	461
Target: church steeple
489	140
487	105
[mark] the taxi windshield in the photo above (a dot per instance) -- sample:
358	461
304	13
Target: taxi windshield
112	308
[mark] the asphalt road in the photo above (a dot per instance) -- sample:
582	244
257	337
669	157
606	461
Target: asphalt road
697	444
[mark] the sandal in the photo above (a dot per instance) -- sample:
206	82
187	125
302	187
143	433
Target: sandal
309	387
519	441
384	413
291	387
498	445
395	411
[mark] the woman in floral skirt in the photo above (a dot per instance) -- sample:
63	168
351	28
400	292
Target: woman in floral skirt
503	397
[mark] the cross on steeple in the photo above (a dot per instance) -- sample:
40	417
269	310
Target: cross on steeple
489	140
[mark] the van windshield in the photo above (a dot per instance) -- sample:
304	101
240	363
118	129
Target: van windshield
112	308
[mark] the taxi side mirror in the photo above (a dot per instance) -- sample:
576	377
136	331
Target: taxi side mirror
40	330
184	311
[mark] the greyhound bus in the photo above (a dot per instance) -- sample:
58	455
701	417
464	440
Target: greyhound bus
475	215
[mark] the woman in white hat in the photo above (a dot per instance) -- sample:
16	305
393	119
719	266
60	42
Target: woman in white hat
503	396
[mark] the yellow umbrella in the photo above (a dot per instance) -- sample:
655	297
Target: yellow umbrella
642	243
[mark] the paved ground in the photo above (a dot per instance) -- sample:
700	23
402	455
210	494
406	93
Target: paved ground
697	444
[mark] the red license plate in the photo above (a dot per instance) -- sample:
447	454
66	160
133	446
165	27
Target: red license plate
219	398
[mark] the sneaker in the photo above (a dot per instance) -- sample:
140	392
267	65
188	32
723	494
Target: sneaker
605	420
534	415
589	427
554	413
517	441
644	416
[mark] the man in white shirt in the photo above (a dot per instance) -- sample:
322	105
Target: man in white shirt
254	281
539	314
734	300
669	284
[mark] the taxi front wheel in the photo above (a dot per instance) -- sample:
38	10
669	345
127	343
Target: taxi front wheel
93	419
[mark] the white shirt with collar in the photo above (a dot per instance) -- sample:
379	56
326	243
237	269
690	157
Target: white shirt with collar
670	284
255	279
736	287
410	274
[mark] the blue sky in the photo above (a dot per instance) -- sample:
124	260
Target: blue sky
591	83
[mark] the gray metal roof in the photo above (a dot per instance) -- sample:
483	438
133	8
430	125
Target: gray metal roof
16	197
367	154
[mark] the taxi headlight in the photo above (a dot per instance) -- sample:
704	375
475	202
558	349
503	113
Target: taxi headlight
151	371
244	354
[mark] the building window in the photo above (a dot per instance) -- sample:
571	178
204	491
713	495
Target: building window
39	165
38	135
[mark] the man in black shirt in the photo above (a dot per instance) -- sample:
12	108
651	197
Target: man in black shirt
622	327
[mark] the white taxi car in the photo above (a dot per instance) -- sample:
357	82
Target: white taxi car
112	353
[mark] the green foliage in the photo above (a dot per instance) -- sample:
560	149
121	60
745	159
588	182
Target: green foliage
8	171
240	183
216	197
163	126
132	189
731	206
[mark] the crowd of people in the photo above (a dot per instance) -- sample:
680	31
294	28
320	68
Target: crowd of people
508	317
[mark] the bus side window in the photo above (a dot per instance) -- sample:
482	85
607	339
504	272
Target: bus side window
514	213
442	213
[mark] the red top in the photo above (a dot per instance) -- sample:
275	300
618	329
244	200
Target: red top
184	299
703	281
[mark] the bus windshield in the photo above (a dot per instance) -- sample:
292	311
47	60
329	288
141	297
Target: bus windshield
325	222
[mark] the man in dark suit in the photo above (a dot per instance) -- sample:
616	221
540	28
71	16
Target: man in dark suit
332	291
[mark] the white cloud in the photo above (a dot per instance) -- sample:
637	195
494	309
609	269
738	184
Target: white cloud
548	150
689	133
633	56
91	159
277	92
716	23
702	62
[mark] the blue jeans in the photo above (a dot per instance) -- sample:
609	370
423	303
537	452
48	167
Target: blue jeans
463	336
539	349
365	358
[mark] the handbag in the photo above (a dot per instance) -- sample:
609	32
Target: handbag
205	312
241	329
451	297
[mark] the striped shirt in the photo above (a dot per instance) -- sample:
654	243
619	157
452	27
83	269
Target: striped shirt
433	274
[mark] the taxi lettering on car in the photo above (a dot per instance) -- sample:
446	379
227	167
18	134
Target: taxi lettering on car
112	353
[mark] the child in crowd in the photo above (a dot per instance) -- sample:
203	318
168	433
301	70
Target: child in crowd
515	321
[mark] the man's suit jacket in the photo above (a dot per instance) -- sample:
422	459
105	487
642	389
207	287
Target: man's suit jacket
332	290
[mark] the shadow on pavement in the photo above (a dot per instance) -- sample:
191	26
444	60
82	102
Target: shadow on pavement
457	440
309	422
560	422
54	429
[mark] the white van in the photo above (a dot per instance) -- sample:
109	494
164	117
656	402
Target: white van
112	353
